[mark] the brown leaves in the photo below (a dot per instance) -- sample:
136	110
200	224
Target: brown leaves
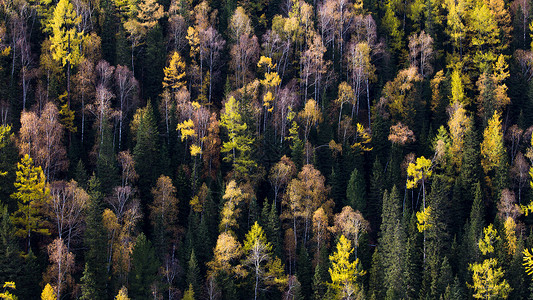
401	134
41	138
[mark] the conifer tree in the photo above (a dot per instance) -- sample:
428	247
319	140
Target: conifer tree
356	191
32	194
144	267
66	39
94	280
238	148
147	152
343	272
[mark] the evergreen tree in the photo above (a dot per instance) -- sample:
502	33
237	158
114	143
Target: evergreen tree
10	259
376	194
146	152
8	164
144	267
192	278
95	276
356	192
304	272
106	163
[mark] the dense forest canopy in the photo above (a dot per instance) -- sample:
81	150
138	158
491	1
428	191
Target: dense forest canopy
268	149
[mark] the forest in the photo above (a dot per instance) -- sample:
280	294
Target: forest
266	149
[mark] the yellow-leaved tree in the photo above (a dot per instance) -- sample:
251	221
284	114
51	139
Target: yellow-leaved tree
48	293
487	278
344	272
421	172
122	294
493	150
259	259
65	38
31	195
6	294
175	73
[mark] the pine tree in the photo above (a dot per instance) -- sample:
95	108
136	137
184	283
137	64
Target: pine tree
10	260
192	278
146	152
304	272
391	244
122	294
144	267
356	192
95	275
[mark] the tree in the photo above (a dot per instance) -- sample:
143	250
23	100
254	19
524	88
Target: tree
175	73
41	139
164	211
246	48
231	211
138	19
361	73
48	293
459	124
398	96
122	294
259	258
280	175
59	273
66	39
238	148
321	235
421	53
345	95
314	66
420	172
189	293
303	197
95	272
6	294
144	267
355	191
492	148
344	273
351	225
310	116
226	254
488	278
67	205
126	90
146	152
32	194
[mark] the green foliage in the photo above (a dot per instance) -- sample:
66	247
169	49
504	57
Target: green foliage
355	192
95	275
144	267
147	152
238	148
10	260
